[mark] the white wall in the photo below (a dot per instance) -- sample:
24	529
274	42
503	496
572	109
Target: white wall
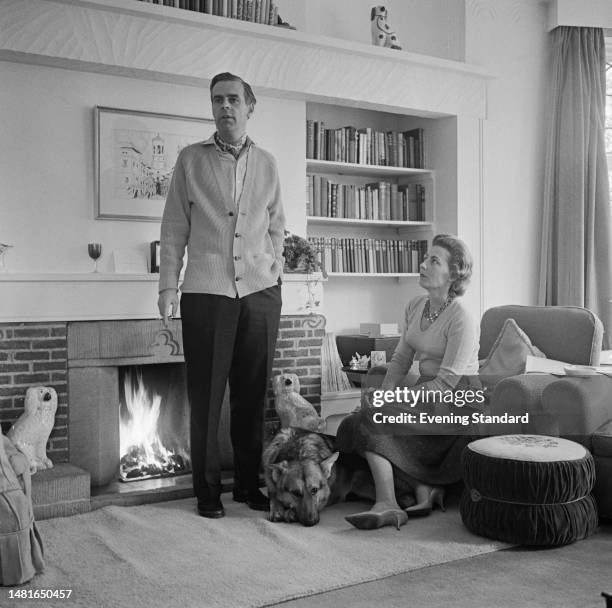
434	27
46	160
509	37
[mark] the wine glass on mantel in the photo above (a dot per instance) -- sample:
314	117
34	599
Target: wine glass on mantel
95	251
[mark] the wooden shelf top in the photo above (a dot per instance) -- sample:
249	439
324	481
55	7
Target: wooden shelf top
315	219
338	168
374	275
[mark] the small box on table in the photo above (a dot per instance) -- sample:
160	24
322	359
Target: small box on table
378	330
350	344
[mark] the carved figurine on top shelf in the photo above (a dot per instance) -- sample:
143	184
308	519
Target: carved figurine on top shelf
31	431
382	34
359	362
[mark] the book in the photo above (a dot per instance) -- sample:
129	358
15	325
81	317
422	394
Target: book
542	365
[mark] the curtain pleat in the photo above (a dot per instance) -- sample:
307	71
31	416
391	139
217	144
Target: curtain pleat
576	253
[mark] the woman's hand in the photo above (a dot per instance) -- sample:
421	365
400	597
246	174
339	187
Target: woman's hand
367	397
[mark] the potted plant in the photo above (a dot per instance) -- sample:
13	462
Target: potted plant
299	254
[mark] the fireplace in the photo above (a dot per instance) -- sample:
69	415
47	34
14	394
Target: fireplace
102	353
153	421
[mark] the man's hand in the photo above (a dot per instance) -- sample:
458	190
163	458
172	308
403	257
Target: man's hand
167	304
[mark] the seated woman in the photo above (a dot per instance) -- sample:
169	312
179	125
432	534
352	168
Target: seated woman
440	333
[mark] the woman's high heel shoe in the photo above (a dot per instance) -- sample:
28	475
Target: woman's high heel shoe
370	520
422	509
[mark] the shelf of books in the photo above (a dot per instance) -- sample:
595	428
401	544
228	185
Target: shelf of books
369	200
394	275
355	256
385	201
256	11
365	146
341	221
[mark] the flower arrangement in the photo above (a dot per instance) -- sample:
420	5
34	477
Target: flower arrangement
299	254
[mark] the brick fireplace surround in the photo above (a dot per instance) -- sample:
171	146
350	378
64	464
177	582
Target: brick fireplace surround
70	356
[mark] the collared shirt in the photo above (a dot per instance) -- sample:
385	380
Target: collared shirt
228	213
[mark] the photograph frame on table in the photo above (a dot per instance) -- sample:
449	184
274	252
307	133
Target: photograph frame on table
135	153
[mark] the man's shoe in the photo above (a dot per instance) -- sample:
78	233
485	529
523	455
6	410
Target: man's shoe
212	509
254	500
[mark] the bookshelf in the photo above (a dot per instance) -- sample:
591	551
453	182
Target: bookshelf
370	196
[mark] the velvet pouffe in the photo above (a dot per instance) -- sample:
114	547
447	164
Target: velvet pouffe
528	490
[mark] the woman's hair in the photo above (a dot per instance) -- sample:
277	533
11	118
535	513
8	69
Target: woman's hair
249	96
460	262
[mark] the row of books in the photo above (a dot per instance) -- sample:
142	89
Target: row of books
369	255
375	201
256	11
365	146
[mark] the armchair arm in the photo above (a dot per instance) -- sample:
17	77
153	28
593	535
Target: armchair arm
581	405
518	395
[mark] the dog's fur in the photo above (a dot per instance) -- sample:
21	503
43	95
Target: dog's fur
292	409
382	34
31	430
303	476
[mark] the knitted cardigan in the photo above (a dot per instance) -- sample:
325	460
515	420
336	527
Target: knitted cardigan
231	250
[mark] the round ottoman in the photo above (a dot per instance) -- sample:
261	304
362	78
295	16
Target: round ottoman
528	490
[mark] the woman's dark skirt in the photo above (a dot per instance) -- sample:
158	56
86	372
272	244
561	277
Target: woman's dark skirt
428	453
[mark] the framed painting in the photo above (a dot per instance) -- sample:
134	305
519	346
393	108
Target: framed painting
135	154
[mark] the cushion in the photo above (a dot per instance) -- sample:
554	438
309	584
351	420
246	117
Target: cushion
508	355
528	490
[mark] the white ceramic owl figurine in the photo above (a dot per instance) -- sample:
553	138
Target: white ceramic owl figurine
31	430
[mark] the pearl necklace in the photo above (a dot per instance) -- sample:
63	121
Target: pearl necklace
431	317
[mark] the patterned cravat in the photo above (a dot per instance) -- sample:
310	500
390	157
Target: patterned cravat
232	149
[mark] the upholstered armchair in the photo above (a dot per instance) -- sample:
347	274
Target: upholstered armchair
564	333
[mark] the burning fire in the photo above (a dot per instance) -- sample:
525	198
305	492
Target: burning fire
143	454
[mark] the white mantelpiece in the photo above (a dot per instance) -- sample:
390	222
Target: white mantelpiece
142	40
97	296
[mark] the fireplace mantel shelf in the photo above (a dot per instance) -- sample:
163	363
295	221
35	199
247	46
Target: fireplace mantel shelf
84	296
80	277
74	277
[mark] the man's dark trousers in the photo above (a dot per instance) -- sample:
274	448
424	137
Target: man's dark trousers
228	339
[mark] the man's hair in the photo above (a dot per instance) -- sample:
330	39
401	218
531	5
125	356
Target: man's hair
460	262
249	96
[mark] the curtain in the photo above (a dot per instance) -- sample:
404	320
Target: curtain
576	254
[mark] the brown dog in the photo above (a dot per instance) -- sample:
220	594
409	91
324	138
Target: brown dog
302	476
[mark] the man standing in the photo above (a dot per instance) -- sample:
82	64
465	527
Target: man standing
224	205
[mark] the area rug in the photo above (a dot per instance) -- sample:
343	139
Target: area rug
165	555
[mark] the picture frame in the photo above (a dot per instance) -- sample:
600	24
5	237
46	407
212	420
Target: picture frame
135	154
